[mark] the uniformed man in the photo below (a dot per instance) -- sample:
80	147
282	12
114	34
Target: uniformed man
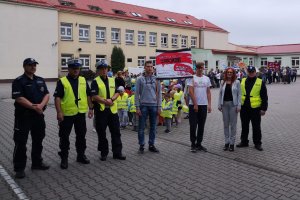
72	102
31	97
254	105
104	93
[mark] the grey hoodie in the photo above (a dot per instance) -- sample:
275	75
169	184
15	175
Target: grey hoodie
147	91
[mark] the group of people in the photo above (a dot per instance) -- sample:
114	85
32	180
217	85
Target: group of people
284	75
107	101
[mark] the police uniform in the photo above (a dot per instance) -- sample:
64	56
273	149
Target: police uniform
254	100
26	119
74	93
106	116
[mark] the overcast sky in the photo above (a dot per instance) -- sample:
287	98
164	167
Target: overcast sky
250	22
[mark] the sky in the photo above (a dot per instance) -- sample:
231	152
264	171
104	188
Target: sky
249	22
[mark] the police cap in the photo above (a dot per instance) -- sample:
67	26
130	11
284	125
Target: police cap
251	69
74	63
101	64
29	61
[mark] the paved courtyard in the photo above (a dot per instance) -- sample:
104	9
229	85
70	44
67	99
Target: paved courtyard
174	173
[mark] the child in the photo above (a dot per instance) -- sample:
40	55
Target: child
122	102
132	110
167	105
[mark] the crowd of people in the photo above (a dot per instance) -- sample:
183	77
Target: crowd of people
138	101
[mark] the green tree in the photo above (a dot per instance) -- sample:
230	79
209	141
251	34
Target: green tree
117	59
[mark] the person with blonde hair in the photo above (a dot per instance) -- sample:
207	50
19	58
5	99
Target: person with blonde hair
230	105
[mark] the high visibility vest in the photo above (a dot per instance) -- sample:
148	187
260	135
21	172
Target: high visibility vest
122	101
68	105
132	104
255	99
177	97
166	113
102	92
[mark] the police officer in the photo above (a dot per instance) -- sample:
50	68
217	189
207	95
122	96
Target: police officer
72	101
254	105
104	93
31	97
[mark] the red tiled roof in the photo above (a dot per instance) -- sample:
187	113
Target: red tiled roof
108	6
33	2
275	49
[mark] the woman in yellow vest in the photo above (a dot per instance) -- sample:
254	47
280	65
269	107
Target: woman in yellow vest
72	101
122	103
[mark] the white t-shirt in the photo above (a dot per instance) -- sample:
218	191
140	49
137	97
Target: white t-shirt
200	85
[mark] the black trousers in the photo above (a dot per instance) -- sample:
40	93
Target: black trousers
197	120
253	115
25	123
65	128
103	119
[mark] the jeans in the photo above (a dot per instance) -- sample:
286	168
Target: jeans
229	120
146	111
123	117
197	122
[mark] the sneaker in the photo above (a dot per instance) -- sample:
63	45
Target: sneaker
231	147
193	149
20	174
186	117
94	130
152	148
258	147
167	131
141	149
201	148
242	144
130	123
226	147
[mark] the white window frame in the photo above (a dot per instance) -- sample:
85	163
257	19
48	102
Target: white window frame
84	59
141	38
175	41
115	36
153	60
100	58
141	61
193	42
164	40
65	57
85	33
68	28
264	62
251	61
129	37
184	43
101	33
296	61
152	38
277	59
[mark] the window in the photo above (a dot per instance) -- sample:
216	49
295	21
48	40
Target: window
100	58
153	60
129	59
245	60
174	40
141	61
206	64
277	59
164	40
188	22
119	12
184	41
295	62
115	35
153	17
263	62
251	61
94	8
171	19
129	35
84	32
193	42
85	60
100	34
65	31
66	3
64	60
142	38
136	14
152	38
217	63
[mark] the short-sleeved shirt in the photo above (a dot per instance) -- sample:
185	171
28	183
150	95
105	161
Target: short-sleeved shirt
60	92
34	90
200	85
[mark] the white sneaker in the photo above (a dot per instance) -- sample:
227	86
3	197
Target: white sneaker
94	130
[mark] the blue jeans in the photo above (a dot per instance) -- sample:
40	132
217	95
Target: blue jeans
146	111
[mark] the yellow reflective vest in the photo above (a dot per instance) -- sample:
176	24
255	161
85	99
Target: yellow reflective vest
102	92
177	97
166	109
255	99
122	101
132	104
68	105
